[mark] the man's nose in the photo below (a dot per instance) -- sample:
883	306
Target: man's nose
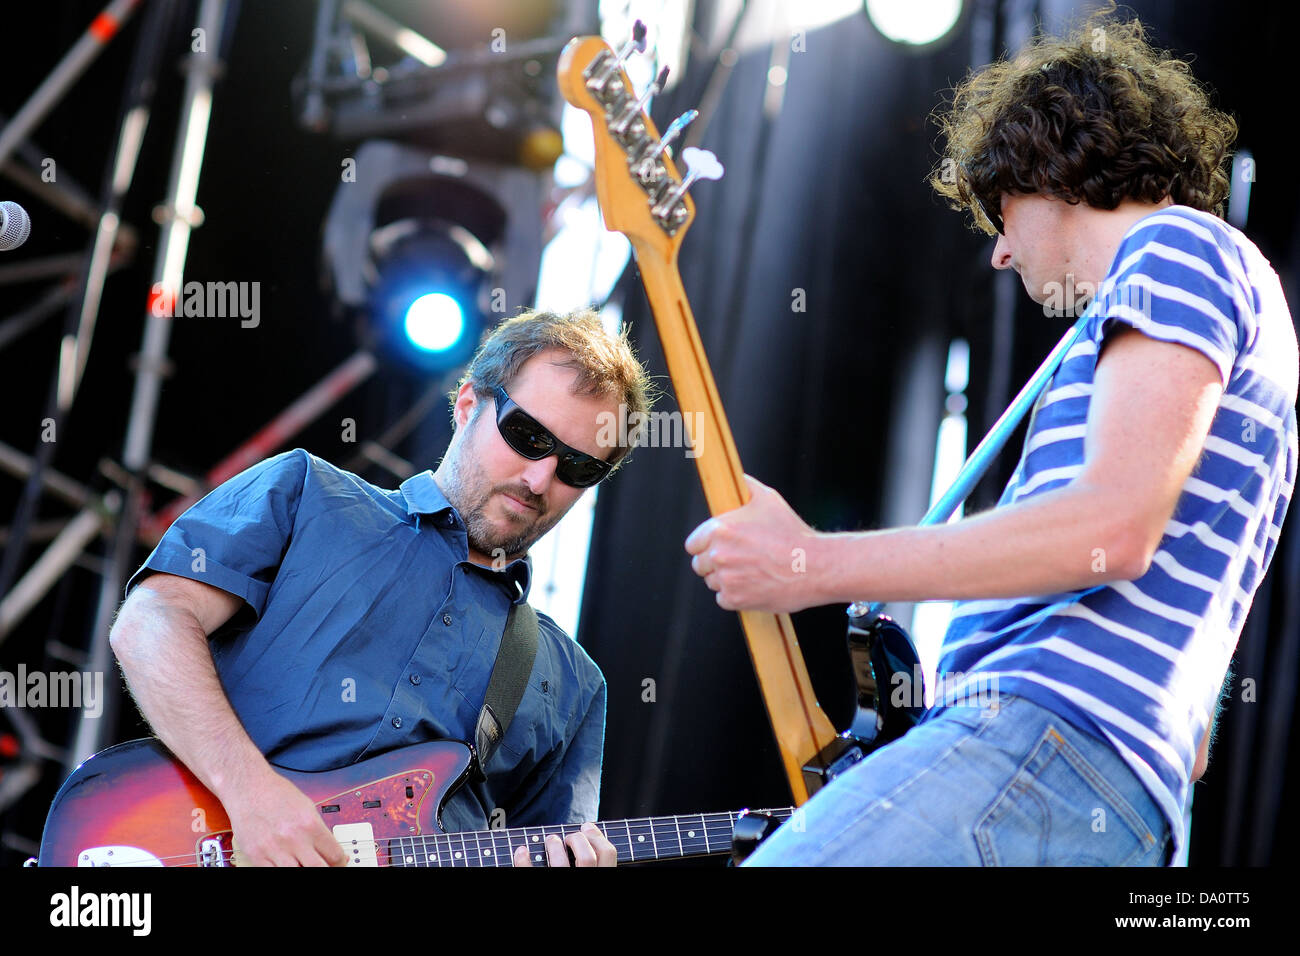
1001	253
539	474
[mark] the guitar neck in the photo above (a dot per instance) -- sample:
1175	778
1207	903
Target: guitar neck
642	196
801	727
637	840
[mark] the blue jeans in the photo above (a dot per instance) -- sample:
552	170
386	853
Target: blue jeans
1008	785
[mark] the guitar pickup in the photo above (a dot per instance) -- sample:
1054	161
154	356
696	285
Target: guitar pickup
371	804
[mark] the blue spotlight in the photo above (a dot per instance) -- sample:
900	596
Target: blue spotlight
435	322
427	301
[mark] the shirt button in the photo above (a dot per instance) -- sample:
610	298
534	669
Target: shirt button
397	722
446	619
415	678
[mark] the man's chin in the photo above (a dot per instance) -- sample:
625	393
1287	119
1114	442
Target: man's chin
511	535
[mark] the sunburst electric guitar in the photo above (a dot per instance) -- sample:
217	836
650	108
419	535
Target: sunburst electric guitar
136	805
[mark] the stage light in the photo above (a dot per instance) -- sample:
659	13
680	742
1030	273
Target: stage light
406	224
914	22
429	292
435	322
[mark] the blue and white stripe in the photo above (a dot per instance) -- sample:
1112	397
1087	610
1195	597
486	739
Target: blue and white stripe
1140	663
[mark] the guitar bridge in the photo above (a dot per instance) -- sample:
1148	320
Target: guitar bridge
212	853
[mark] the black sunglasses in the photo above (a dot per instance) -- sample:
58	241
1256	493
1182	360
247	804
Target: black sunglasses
526	435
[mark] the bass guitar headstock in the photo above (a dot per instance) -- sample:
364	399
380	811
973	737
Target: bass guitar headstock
640	190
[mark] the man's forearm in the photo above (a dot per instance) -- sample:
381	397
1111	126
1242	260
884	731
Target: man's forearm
164	654
1062	540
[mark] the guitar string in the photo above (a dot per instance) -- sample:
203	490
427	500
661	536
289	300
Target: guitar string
469	852
424	839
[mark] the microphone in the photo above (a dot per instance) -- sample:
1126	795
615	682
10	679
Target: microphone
15	226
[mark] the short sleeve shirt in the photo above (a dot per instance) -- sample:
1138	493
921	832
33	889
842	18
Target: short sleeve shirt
366	628
1140	663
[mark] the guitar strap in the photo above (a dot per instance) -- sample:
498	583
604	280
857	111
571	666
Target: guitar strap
510	673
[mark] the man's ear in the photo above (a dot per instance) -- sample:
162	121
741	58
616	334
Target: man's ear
463	409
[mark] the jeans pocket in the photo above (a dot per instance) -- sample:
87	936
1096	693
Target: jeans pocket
1060	810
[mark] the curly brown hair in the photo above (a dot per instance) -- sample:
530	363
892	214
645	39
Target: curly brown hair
1098	116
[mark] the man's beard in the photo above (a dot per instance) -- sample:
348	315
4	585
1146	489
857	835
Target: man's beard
472	503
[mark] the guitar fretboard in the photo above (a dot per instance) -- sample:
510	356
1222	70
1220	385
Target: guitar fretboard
637	840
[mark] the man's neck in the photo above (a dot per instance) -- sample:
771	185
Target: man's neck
475	556
1100	231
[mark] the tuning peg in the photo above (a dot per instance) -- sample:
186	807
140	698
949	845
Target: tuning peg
670	210
636	45
619	127
674	130
702	165
646	166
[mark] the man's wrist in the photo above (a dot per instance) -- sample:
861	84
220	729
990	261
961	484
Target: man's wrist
836	568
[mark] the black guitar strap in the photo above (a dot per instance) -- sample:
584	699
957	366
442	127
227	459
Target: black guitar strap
510	673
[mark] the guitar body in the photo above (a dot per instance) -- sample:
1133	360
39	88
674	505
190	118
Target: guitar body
136	805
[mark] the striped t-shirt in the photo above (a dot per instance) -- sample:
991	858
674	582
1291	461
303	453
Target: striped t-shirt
1141	663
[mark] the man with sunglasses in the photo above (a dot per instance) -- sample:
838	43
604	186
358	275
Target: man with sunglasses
1099	604
301	616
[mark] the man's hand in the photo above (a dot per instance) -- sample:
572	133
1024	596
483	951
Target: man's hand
756	557
589	847
276	824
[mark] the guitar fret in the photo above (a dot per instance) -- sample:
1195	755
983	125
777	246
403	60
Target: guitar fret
622	846
500	849
642	836
720	829
663	830
511	839
536	850
696	835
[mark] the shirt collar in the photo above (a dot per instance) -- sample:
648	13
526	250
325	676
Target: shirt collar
424	497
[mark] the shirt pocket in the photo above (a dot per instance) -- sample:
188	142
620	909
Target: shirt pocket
536	729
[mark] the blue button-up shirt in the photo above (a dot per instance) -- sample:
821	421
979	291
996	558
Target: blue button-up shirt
367	628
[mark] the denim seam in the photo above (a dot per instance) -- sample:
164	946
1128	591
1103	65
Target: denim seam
983	826
1128	814
1060	746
